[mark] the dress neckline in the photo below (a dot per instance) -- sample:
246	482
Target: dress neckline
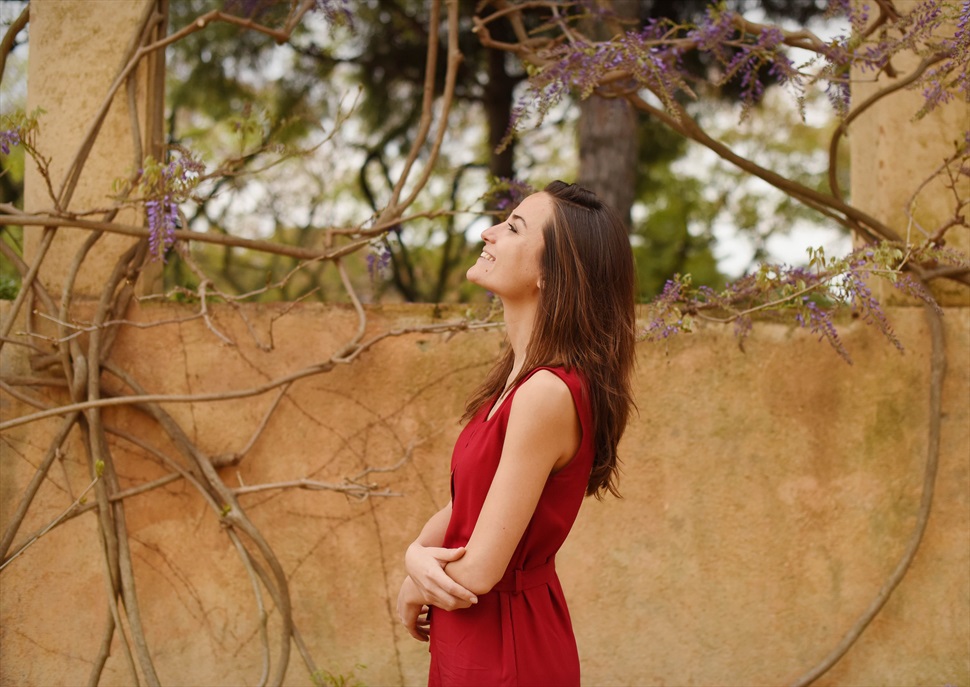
496	407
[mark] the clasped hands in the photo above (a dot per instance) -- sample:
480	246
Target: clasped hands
427	584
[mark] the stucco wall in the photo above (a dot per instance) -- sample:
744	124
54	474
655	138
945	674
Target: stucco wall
768	494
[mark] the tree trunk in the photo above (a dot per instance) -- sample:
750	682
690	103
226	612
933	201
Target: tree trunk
607	135
498	105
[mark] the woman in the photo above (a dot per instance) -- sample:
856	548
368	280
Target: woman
541	433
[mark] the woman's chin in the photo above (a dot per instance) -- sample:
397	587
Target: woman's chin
474	275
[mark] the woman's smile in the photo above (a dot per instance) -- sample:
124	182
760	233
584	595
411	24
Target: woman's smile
519	241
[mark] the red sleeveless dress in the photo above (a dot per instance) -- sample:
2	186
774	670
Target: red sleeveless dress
519	633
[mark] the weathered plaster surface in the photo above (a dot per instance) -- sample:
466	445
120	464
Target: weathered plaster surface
768	494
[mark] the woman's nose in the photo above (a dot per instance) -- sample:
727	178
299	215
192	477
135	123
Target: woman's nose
489	234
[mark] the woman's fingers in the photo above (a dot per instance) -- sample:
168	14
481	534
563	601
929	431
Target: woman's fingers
423	625
452	602
414	617
446	555
445	592
425	565
420	628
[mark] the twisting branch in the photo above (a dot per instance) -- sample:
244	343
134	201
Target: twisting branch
558	69
6	45
424	124
937	377
30	492
862	107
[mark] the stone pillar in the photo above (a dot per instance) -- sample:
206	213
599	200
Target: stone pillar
77	48
893	153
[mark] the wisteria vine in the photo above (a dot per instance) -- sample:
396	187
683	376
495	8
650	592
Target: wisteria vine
813	296
752	55
162	187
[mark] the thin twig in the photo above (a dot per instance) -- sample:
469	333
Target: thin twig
186	235
262	425
56	521
360	491
319	368
39	475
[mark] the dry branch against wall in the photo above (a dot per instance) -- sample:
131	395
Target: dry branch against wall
632	66
77	356
77	385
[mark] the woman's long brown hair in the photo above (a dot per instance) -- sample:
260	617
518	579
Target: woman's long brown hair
586	320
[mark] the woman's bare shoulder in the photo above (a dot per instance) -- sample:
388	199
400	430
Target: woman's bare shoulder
543	393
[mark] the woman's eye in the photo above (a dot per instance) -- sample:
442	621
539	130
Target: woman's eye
512	228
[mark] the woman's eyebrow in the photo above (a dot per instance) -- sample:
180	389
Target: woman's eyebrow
519	217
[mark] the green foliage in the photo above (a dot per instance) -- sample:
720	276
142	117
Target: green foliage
9	286
324	678
9	276
675	237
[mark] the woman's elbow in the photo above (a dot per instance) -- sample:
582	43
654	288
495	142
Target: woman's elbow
478	579
481	584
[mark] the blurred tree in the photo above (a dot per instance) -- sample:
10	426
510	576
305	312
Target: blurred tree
260	99
382	53
626	159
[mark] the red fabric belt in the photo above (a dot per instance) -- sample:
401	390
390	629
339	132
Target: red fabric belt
520	580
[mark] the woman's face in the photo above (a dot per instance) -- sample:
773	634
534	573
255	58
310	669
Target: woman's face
509	263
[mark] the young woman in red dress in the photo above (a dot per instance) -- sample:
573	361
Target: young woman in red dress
541	434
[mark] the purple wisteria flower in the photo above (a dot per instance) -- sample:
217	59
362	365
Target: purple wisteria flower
165	186
818	321
713	33
668	319
163	220
865	304
839	96
8	138
378	260
508	193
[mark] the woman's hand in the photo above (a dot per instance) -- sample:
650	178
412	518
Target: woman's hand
413	614
426	570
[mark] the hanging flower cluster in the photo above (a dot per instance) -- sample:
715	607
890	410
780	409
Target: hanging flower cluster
8	138
506	193
163	186
811	294
163	220
748	54
378	259
20	129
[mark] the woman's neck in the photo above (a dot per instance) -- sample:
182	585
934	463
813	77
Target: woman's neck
519	322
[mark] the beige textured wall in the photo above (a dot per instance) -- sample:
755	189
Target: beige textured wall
769	493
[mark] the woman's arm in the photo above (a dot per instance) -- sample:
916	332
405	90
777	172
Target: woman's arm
543	435
425	561
427	584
